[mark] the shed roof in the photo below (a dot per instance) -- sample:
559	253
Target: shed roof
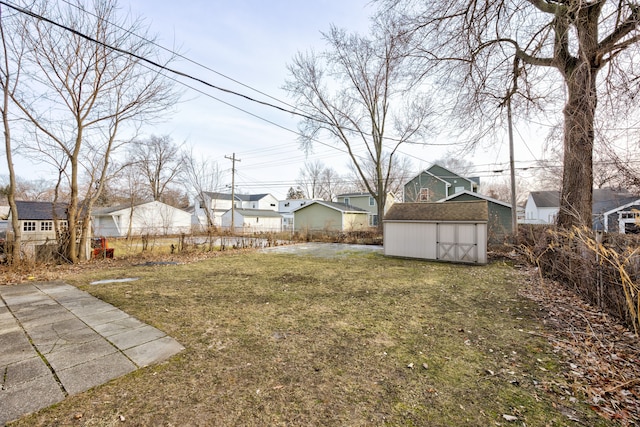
450	211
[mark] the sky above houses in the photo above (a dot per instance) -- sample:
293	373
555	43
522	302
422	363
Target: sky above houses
245	46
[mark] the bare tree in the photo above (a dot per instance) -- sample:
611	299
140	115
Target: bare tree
500	189
159	161
309	178
402	170
356	93
86	88
295	193
200	175
13	51
512	43
319	181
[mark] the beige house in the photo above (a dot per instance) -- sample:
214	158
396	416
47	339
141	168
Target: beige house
367	202
329	216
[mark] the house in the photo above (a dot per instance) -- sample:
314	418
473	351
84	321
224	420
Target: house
219	203
437	183
36	220
286	208
623	218
451	231
253	220
329	216
499	224
154	218
366	202
543	206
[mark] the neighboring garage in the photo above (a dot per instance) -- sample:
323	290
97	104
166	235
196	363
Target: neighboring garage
452	231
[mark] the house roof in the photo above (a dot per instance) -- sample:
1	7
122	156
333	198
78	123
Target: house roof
450	211
241	197
477	196
334	205
475	180
112	209
360	194
29	210
546	199
604	199
257	212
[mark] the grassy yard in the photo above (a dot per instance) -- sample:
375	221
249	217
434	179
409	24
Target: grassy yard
362	340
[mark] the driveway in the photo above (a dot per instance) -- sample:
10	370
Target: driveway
325	250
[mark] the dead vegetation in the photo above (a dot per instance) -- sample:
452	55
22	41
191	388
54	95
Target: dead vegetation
358	340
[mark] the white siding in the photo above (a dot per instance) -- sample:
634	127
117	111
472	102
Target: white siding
457	242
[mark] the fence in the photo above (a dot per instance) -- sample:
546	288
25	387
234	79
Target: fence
602	268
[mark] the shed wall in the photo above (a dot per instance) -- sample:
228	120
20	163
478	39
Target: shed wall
444	241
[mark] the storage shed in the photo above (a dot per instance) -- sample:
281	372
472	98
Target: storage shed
452	231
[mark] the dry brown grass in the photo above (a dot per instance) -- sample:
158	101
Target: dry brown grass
359	340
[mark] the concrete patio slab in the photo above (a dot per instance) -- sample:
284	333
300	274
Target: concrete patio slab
57	340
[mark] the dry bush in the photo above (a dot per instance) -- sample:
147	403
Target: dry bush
604	270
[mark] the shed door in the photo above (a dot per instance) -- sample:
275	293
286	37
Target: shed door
457	242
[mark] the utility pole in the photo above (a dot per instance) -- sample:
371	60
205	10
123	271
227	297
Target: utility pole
233	189
514	208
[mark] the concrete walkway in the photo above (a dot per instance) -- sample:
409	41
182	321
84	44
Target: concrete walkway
56	341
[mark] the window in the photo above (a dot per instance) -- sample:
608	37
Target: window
46	226
373	220
424	195
372	201
346	201
29	226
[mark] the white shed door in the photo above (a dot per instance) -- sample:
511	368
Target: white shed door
457	242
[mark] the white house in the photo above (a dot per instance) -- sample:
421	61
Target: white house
542	207
219	203
145	218
253	220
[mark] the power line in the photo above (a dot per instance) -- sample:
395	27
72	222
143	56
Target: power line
197	79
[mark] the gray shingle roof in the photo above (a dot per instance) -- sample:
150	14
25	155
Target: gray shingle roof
334	205
38	211
546	199
265	213
450	211
242	197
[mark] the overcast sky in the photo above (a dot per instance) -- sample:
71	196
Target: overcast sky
251	41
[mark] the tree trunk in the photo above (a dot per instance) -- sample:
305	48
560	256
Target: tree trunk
579	113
